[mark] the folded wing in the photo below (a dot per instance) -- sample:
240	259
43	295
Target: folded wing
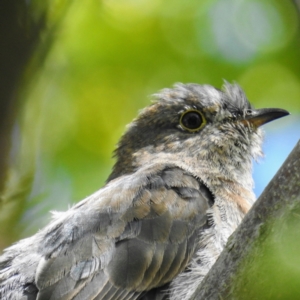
134	235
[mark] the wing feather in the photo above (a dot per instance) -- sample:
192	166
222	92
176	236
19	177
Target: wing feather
135	234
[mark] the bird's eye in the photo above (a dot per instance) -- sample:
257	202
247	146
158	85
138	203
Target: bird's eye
192	120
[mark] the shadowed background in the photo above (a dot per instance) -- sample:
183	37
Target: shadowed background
74	73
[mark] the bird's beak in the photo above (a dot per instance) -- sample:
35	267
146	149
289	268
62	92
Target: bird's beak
258	117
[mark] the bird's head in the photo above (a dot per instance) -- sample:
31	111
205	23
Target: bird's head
203	125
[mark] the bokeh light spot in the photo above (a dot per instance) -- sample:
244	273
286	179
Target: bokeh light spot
239	31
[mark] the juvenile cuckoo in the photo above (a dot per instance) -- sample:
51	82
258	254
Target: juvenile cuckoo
181	185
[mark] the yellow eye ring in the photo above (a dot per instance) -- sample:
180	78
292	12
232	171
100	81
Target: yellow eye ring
192	120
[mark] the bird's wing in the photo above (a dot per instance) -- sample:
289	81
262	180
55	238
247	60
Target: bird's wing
135	234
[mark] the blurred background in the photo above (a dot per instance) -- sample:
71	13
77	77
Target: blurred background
74	73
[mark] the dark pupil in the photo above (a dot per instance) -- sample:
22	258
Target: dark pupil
192	120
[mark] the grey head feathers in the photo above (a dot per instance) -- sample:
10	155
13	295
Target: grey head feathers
157	127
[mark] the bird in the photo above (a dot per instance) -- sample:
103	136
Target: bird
181	184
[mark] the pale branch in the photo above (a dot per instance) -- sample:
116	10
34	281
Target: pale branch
237	269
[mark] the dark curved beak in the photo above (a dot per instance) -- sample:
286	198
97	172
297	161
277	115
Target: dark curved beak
258	117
